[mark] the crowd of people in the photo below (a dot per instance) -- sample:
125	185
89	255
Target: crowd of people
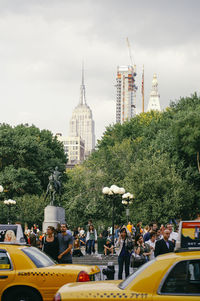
138	245
134	245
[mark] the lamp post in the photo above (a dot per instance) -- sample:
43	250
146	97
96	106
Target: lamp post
9	203
112	193
127	199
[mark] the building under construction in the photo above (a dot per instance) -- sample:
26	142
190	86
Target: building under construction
126	93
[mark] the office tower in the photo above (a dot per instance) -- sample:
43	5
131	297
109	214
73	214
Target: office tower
126	93
74	148
154	100
82	123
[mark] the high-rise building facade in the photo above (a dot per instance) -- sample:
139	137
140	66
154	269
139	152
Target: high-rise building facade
82	123
154	100
74	149
126	93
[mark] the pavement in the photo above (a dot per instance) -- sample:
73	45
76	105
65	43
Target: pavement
102	262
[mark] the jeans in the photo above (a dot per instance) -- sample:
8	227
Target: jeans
121	261
90	246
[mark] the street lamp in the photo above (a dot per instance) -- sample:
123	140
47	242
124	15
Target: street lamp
9	203
127	199
112	193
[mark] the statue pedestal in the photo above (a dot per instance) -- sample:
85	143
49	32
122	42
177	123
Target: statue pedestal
52	216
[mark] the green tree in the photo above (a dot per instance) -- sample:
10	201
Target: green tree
154	156
160	192
27	156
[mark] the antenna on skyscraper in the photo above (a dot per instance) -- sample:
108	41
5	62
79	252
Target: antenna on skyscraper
82	97
83	72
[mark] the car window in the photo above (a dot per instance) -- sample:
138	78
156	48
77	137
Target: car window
40	259
130	278
184	278
4	261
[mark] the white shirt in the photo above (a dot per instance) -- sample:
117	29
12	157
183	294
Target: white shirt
151	244
82	232
173	236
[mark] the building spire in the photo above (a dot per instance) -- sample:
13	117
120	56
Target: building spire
154	101
82	97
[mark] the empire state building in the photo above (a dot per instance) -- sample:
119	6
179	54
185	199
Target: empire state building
82	123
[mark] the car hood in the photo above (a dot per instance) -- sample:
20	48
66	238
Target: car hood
89	289
90	269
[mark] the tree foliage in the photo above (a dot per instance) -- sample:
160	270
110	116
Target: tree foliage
29	209
153	156
27	156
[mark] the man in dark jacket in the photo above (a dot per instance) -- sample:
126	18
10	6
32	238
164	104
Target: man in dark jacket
164	245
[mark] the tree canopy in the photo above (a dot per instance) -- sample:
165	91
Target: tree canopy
154	156
27	157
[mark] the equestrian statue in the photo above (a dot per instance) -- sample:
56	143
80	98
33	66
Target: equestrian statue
54	187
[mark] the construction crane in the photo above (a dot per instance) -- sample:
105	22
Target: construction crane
130	54
143	89
134	73
133	66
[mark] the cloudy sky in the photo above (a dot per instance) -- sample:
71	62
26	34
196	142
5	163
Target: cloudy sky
43	43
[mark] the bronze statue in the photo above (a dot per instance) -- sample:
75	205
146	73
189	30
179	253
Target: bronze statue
54	186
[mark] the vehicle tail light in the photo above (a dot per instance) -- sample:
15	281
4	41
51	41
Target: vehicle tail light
83	277
57	297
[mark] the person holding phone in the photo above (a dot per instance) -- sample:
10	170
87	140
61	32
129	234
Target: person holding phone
125	247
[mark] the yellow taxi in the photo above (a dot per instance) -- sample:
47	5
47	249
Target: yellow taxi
173	276
27	274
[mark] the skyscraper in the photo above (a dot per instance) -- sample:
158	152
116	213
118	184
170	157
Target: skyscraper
82	123
126	97
154	100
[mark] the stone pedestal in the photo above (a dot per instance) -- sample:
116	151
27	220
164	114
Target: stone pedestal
52	216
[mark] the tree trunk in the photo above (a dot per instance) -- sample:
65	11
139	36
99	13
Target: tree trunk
198	163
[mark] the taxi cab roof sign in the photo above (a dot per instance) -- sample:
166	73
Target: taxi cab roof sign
189	235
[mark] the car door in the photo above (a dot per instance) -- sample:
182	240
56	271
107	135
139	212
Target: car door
181	282
7	272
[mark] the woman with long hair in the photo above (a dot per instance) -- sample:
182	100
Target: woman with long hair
50	243
90	239
142	249
125	247
77	247
10	236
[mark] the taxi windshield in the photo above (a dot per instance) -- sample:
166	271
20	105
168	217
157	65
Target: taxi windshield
131	277
40	259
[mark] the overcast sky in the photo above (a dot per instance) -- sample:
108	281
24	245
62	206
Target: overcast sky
43	43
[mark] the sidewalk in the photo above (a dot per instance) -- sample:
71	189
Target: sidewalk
96	259
102	262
